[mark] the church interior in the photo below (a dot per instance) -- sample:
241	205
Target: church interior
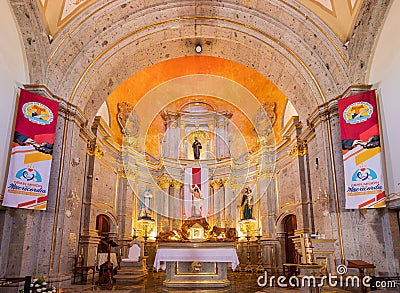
198	143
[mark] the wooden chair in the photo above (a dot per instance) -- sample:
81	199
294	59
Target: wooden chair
80	267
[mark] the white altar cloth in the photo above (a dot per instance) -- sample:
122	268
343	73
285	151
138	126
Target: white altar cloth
102	258
195	254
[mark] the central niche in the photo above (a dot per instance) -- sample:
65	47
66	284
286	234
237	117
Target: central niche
196	120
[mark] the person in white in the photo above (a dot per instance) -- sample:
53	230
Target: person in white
197	202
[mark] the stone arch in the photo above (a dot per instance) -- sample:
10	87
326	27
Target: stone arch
288	252
288	57
280	220
363	41
112	218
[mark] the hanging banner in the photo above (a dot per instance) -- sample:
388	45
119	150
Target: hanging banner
196	193
361	150
31	153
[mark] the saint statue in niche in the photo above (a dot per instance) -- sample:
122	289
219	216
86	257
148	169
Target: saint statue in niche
247	203
197	200
145	207
196	148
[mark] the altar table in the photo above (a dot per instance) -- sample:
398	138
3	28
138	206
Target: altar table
194	264
102	258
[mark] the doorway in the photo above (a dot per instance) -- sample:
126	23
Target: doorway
290	226
103	228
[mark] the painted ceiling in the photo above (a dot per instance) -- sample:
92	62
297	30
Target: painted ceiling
339	15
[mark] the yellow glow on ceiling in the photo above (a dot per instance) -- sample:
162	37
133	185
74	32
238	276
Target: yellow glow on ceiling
225	84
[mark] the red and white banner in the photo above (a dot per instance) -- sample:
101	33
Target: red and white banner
196	178
361	151
31	153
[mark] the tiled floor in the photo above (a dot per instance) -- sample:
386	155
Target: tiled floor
240	283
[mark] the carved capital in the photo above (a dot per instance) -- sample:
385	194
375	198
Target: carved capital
217	183
177	184
231	184
298	149
127	173
164	182
267	171
94	149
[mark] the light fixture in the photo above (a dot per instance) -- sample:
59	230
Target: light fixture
198	48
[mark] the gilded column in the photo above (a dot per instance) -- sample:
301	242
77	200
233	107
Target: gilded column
211	126
164	183
218	195
178	207
181	139
230	189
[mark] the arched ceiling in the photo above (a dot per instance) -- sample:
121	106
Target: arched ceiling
339	15
130	50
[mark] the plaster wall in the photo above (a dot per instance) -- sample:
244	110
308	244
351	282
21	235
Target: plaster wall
384	72
13	72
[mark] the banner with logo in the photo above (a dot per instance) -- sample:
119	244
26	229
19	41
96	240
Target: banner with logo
361	150
31	153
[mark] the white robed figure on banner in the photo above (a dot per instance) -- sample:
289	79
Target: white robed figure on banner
197	202
145	207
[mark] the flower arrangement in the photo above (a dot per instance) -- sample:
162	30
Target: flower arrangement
39	286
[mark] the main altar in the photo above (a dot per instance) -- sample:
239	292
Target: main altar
196	255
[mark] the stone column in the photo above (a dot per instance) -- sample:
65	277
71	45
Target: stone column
281	253
88	238
125	205
37	242
298	152
361	234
